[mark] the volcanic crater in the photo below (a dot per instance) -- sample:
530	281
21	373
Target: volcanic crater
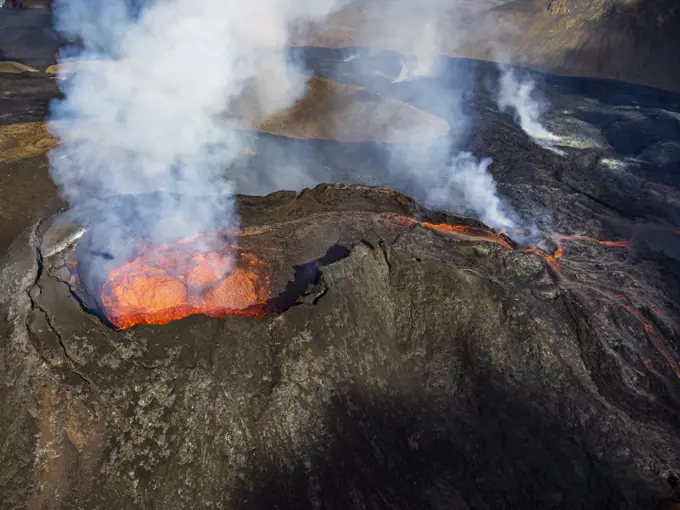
227	272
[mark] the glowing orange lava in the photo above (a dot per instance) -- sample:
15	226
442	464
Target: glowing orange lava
551	260
652	335
626	243
174	281
473	233
461	231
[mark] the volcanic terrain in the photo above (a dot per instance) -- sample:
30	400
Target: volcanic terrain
631	40
416	359
369	352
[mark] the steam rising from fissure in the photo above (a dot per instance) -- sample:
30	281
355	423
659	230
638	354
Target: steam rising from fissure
517	96
150	108
439	173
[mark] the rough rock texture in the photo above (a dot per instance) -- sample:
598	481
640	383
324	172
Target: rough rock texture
628	40
421	370
426	371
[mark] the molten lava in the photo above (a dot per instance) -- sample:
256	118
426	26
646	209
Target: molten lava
174	281
622	244
551	260
652	334
461	231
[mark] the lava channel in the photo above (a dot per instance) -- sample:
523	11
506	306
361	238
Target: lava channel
171	282
461	231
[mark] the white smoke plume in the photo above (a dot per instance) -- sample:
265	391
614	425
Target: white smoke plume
149	108
517	96
438	173
444	178
157	111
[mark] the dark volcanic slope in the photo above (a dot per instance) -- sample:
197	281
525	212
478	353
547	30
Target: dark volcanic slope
421	371
27	36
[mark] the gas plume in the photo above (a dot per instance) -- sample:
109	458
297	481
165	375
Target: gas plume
518	97
149	108
153	108
440	173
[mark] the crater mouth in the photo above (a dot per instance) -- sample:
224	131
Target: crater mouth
218	274
123	275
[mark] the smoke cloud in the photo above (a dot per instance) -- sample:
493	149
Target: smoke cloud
517	96
154	106
150	108
439	173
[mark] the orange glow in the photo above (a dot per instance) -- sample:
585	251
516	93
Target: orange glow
473	233
460	231
171	282
652	335
549	259
626	243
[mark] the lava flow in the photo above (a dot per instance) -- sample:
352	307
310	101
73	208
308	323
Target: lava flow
622	244
461	231
171	282
551	260
652	335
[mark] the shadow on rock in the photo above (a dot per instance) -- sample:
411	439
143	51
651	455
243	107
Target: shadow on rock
416	451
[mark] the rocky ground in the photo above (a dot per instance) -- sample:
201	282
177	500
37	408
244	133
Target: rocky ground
419	369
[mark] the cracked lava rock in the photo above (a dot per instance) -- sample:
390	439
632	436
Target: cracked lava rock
415	367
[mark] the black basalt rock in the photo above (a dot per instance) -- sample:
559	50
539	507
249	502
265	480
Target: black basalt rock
418	370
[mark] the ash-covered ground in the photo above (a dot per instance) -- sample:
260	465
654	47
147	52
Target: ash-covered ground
419	370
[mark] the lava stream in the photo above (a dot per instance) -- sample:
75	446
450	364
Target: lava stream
625	243
551	260
461	231
651	334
